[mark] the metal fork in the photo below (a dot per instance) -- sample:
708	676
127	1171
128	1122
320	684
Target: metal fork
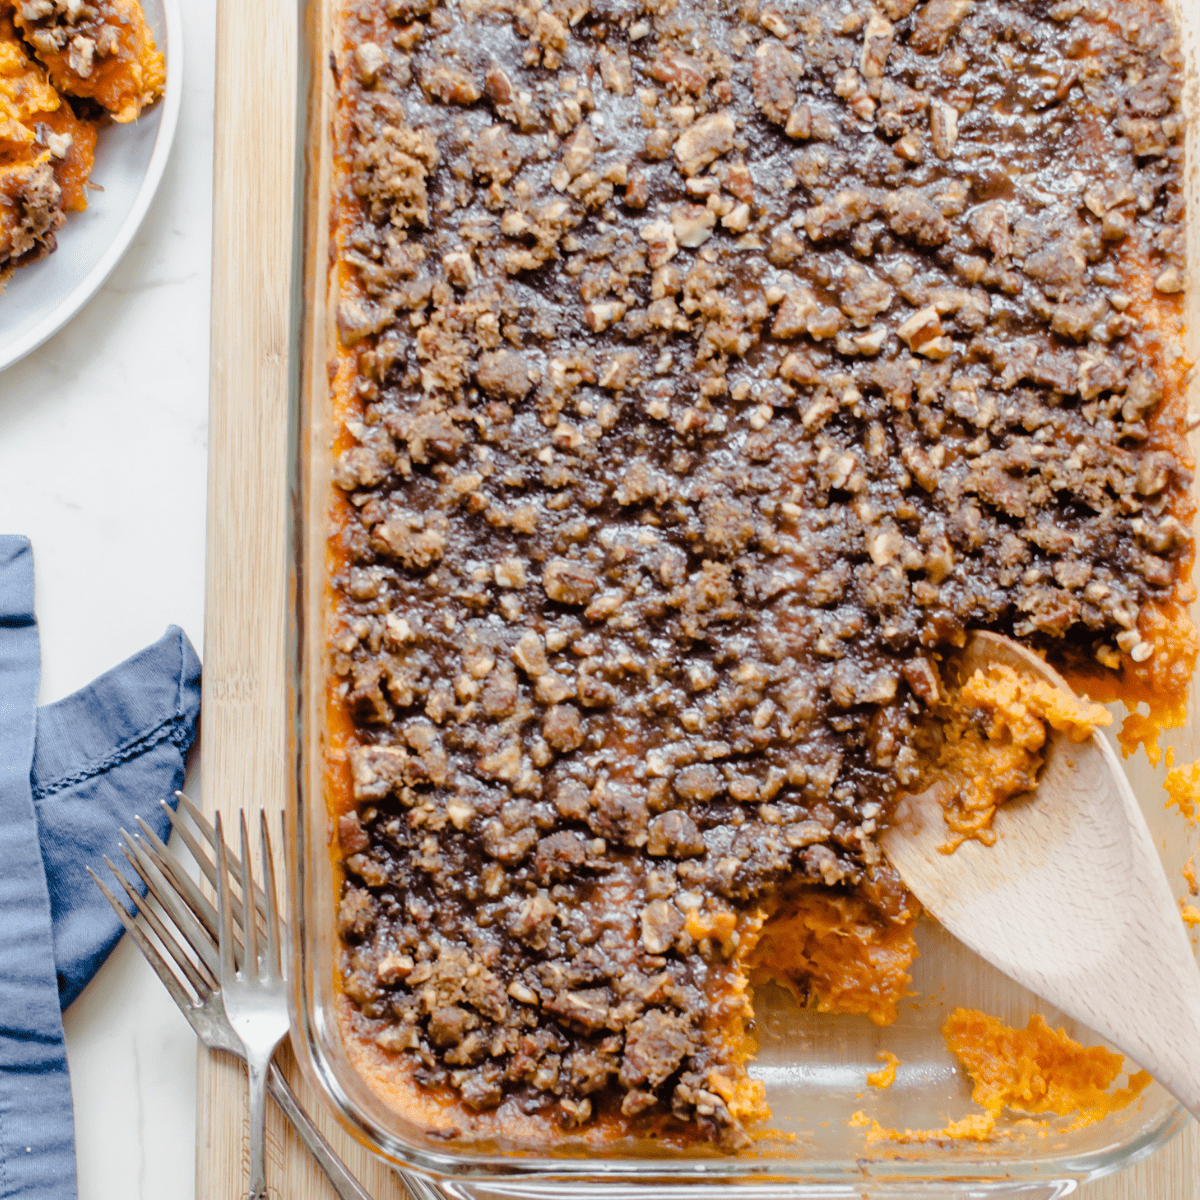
193	985
418	1187
174	889
256	995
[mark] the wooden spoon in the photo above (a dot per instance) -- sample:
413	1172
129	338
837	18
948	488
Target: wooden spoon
1071	901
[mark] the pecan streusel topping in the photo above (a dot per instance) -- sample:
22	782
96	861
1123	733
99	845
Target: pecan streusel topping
706	371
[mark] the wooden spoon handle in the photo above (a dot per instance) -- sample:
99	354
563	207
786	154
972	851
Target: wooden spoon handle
1155	1016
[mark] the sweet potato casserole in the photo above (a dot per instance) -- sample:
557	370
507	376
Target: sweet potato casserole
66	67
705	370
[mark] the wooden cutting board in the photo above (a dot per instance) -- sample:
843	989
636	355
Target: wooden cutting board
244	693
244	670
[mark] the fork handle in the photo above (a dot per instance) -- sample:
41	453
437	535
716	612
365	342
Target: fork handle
256	1067
336	1171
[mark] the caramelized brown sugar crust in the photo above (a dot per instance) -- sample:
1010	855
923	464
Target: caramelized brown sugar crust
705	371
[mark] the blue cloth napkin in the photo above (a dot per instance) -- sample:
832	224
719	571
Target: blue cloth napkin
36	1135
71	774
111	750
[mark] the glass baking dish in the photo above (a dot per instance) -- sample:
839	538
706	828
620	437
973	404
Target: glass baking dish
813	1065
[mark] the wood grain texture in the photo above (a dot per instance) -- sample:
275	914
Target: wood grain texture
244	681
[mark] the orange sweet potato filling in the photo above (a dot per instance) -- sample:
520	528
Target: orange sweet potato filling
1183	791
25	95
71	173
1161	680
1036	1070
994	727
886	1075
123	82
29	108
834	950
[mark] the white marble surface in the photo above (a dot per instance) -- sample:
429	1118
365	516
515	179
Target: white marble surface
102	465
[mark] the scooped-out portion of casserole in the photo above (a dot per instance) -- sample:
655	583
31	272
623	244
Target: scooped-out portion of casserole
705	371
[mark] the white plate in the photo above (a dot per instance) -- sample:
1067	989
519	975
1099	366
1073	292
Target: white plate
42	297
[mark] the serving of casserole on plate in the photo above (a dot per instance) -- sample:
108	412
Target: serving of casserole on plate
89	99
684	380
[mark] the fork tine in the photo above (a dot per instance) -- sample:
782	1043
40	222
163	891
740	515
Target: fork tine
204	857
179	878
210	832
273	966
200	985
250	920
224	909
169	979
160	888
199	819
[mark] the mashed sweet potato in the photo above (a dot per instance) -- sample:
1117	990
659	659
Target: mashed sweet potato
835	951
993	730
1036	1071
103	52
